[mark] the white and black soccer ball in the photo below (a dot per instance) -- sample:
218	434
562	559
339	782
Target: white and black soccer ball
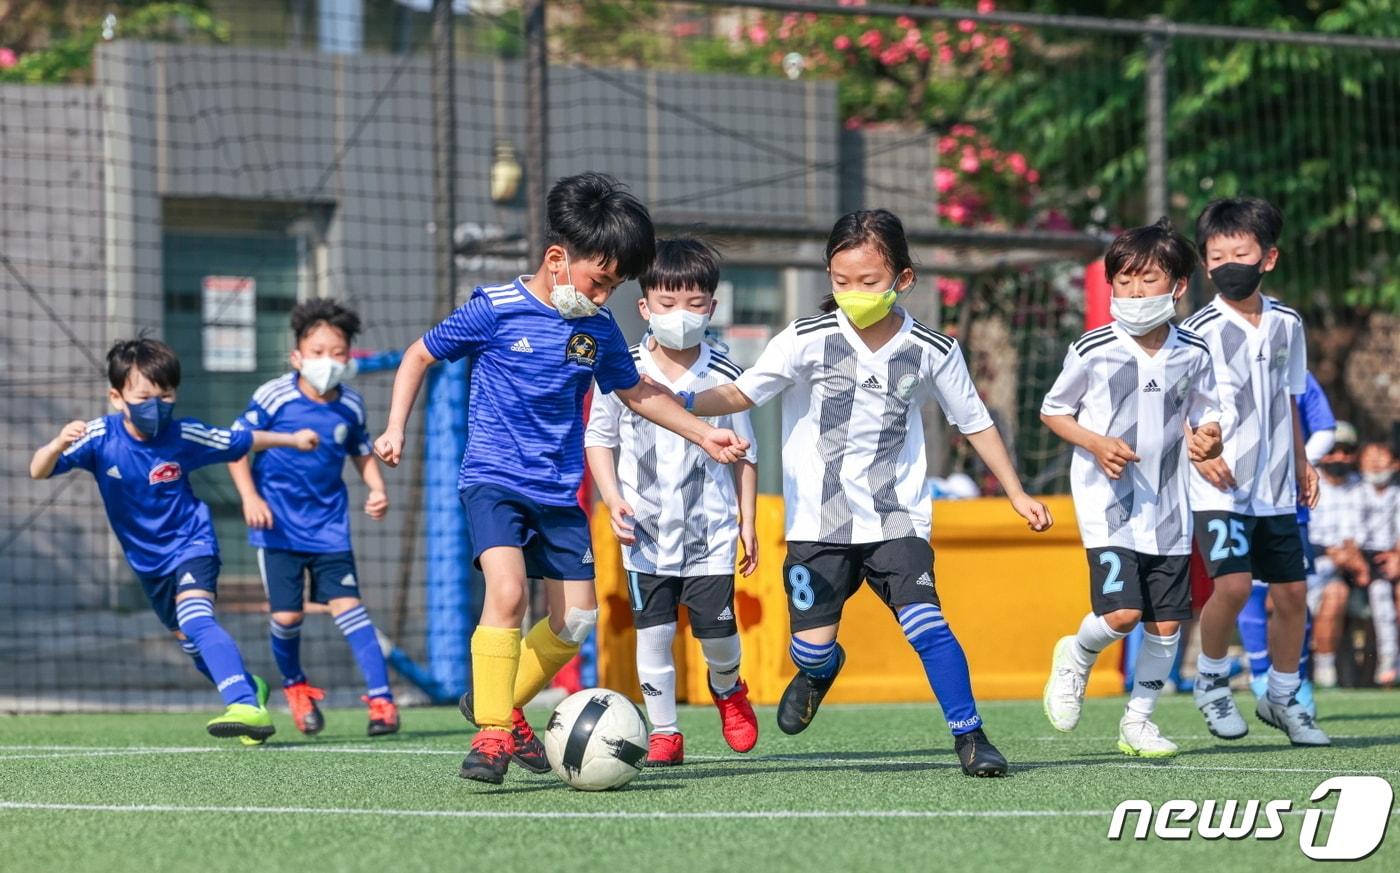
596	740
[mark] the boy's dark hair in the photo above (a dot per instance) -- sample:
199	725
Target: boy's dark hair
152	358
593	216
874	227
681	264
1156	245
1240	216
318	310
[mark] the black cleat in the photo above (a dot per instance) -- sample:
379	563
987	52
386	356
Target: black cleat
803	695
528	750
489	758
978	756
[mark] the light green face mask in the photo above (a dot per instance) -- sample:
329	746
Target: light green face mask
865	308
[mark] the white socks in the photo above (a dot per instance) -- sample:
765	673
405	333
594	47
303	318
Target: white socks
1154	664
1382	597
1206	665
1094	636
1282	686
722	657
657	671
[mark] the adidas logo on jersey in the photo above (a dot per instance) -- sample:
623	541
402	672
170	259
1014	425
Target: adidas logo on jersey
1151	386
1260	356
114	472
522	345
588	557
873	384
727	615
925	580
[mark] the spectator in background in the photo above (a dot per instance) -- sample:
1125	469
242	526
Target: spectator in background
1335	531
1380	537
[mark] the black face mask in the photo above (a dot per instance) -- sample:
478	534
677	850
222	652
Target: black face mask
1237	281
1338	469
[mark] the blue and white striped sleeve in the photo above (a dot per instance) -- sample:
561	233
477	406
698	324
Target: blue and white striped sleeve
615	369
204	444
465	332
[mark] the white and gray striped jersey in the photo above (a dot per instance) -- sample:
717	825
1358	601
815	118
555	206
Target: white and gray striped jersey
1258	372
853	438
686	504
1113	387
1380	517
1339	515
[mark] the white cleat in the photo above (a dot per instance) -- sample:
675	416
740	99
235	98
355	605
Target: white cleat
1293	719
1064	692
1217	704
1140	738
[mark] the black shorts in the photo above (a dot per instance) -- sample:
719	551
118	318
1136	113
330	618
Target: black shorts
820	577
709	599
1267	547
1159	586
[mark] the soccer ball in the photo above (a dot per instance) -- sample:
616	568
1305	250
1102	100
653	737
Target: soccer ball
596	740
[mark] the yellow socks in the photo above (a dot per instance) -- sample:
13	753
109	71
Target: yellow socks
542	654
496	658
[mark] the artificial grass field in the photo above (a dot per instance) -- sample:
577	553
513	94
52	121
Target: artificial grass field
865	788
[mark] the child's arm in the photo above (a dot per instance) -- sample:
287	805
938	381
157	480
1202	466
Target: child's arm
256	513
46	458
661	407
993	453
1307	476
377	504
746	481
620	513
407	381
1112	453
304	440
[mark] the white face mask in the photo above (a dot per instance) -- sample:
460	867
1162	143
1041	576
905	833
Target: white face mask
569	300
679	328
1377	478
1138	315
324	373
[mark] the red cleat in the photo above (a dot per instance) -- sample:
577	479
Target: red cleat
665	750
301	700
739	724
383	716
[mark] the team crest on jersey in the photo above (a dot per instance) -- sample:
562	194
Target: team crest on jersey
165	471
582	350
907	385
341	432
1181	387
1280	358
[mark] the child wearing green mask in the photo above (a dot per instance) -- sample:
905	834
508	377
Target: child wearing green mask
853	381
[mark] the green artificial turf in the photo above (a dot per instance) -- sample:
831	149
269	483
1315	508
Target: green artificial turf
865	788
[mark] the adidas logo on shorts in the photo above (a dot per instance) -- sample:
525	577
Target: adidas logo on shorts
1151	386
925	580
727	615
873	384
522	345
588	557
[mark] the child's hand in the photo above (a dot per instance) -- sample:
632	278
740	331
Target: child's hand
257	514
1217	473
71	433
1307	485
306	439
389	447
1204	442
748	538
1113	456
621	517
724	445
376	505
1036	514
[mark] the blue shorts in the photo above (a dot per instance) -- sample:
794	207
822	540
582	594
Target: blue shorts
196	574
555	539
284	575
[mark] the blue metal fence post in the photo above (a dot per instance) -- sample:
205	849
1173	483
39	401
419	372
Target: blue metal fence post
450	620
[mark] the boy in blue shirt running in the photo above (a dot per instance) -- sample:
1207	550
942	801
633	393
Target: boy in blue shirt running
298	509
536	346
141	457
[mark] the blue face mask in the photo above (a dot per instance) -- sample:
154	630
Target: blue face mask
150	416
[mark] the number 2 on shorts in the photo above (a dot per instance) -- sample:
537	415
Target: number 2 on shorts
1114	583
1239	545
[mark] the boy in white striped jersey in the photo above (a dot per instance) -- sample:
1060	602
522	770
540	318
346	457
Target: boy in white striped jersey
1132	395
677	513
1244	502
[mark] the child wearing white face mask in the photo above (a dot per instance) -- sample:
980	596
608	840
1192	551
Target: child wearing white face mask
1132	395
298	509
676	512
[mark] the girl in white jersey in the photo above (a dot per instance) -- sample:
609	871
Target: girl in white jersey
854	469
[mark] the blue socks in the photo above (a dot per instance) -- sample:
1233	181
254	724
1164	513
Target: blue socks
286	651
817	660
944	663
217	649
364	643
193	651
1254	631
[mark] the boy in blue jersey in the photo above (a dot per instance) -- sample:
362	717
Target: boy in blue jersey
298	510
141	457
536	345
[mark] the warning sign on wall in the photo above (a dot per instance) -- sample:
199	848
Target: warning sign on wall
230	324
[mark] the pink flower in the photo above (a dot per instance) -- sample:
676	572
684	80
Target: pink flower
8	58
945	55
969	163
686	28
986	154
963	130
913	37
894	55
1001	46
952	291
957	213
1033	176
922	53
978	40
904	21
871	39
967	25
947	145
944	179
988	64
985	6
1017	162
841	43
758	34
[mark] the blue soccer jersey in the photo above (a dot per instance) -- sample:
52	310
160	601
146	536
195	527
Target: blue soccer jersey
145	486
309	502
531	369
